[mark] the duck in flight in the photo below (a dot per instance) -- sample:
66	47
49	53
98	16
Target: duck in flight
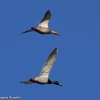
43	26
43	78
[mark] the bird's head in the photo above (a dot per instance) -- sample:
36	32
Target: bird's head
56	83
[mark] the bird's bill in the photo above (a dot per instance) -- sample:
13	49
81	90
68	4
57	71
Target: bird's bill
60	84
59	34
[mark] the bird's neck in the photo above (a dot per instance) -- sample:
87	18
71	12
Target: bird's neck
49	81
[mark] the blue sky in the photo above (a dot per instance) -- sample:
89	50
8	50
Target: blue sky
22	56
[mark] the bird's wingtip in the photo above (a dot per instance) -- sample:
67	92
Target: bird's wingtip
48	11
56	49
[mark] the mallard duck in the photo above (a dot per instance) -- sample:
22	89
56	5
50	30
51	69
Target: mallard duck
43	78
43	26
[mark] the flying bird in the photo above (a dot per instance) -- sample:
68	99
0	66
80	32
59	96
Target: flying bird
43	26
43	77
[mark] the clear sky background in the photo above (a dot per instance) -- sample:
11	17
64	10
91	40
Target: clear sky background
22	56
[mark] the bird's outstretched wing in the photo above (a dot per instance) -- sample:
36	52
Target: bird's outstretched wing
30	30
49	64
27	82
44	22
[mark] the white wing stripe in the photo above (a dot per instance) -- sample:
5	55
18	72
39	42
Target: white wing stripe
44	23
